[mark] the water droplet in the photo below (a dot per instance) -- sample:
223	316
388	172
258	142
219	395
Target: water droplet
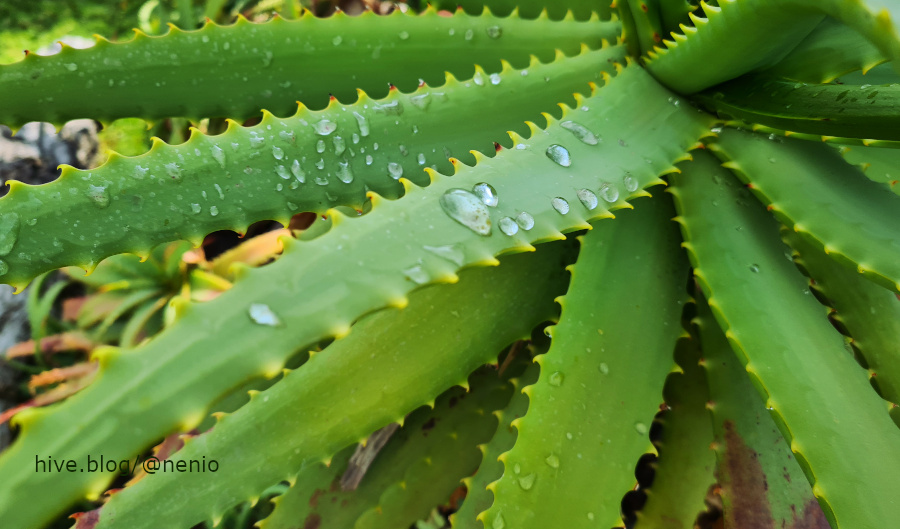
494	32
404	35
609	192
395	170
555	379
581	132
588	198
71	67
174	171
287	135
525	220
337	40
9	231
363	124
560	204
467	209
421	158
98	195
344	173
508	226
486	193
716	130
369	159
640	428
495	78
282	172
298	172
325	127
196	208
263	315
320	164
451	252
321	180
552	461
277	152
4	268
569	436
320	146
754	268
256	141
140	172
421	101
478	78
218	155
393	108
604	368
339	145
416	274
631	183
590	516
354	138
213	210
469	34
526	482
559	154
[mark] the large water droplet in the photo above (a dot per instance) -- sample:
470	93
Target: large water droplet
416	274
9	231
325	127
495	79
321	180
395	170
218	155
213	210
196	208
556	379
369	159
421	101
560	204
631	183
498	522
525	220
363	124
256	141
508	226
640	428
320	146
261	313
526	482
478	78
339	145
581	132
282	172
494	32
604	368
451	252
98	196
467	209
486	193
552	461
559	154
297	171
174	171
277	152
344	173
609	192
588	198
421	158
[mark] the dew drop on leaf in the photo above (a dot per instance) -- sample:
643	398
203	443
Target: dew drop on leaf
467	209
421	101
218	155
486	193
451	252
369	159
588	198
261	314
416	274
556	379
395	170
363	124
282	172
495	78
560	204
256	141
97	195
508	226
344	173
277	152
559	154
140	172
581	132
325	127
609	192
552	461
631	183
4	268
213	210
498	522
174	171
604	368
339	145
404	35
196	208
9	231
297	171
640	428
754	268
320	146
526	482
525	221
494	32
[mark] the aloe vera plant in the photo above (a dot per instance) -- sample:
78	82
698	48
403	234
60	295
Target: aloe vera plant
767	325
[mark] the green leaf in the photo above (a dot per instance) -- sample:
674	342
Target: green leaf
319	287
686	466
309	415
417	469
714	49
234	71
760	482
311	161
830	51
478	498
648	24
877	163
869	314
810	189
674	13
609	362
555	10
817	394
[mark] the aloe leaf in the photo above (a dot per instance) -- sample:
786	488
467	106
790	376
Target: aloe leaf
685	469
817	394
865	112
878	164
577	462
311	161
236	70
807	186
715	48
674	13
832	49
647	21
308	416
760	482
544	186
875	19
555	10
417	469
478	498
869	314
